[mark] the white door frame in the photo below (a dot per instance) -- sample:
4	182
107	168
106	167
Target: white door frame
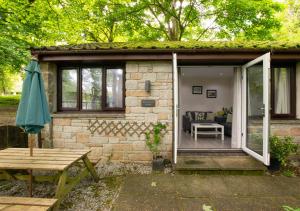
265	158
175	107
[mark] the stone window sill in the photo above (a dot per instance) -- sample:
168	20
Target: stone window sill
88	115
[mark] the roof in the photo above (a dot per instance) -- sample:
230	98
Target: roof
169	46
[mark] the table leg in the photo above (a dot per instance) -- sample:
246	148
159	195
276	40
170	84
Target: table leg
195	132
216	131
222	129
60	189
30	182
192	130
90	167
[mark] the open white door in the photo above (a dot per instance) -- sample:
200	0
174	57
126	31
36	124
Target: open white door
256	108
175	107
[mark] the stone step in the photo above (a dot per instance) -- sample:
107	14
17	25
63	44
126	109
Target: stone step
231	165
211	152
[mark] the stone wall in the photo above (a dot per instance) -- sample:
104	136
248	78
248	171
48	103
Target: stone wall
286	128
70	130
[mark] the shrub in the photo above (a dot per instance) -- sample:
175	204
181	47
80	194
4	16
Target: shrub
153	138
281	148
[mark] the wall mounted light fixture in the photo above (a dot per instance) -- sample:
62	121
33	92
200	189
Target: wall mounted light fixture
147	85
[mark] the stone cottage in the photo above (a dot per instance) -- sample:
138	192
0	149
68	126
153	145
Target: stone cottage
211	96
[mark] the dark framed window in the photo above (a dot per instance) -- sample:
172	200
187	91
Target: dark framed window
91	88
283	91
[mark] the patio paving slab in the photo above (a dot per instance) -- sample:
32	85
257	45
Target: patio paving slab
222	192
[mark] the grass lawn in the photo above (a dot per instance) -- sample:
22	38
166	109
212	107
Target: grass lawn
9	100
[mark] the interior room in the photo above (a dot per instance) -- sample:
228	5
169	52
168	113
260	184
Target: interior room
206	98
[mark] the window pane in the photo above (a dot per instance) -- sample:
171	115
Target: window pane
69	88
114	87
91	88
282	90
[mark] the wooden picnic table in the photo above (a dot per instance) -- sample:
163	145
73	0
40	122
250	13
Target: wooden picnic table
25	203
59	160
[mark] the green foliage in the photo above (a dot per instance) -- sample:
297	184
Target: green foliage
288	173
281	148
198	20
9	100
287	208
153	138
27	23
290	17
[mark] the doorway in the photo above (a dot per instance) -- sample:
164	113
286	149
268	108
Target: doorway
206	107
250	110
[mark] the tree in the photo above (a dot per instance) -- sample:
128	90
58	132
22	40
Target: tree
203	19
290	18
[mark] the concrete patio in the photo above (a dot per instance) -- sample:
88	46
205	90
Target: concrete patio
221	192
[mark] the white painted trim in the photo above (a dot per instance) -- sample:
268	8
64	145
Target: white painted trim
175	107
265	158
236	140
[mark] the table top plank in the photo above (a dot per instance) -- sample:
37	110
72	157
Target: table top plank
27	201
36	161
49	149
43	154
45	151
19	158
23	208
32	166
14	157
207	125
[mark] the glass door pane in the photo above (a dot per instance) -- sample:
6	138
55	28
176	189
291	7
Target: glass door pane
255	108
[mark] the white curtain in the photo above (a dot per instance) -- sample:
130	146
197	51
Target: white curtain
282	90
237	109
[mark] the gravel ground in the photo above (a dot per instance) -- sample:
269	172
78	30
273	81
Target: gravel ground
87	195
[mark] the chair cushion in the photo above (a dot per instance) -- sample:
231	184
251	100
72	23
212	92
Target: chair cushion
200	116
210	116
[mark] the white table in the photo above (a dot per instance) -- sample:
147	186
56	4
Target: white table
196	132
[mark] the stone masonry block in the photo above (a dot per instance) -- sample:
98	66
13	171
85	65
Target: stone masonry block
82	137
131	84
295	131
149	76
61	121
131	101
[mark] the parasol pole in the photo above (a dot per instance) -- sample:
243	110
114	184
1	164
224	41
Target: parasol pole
31	140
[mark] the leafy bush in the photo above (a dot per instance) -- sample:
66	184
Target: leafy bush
9	100
153	138
281	148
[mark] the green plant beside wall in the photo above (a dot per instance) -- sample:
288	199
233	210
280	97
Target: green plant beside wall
153	139
281	148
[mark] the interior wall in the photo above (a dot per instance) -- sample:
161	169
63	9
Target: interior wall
195	102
